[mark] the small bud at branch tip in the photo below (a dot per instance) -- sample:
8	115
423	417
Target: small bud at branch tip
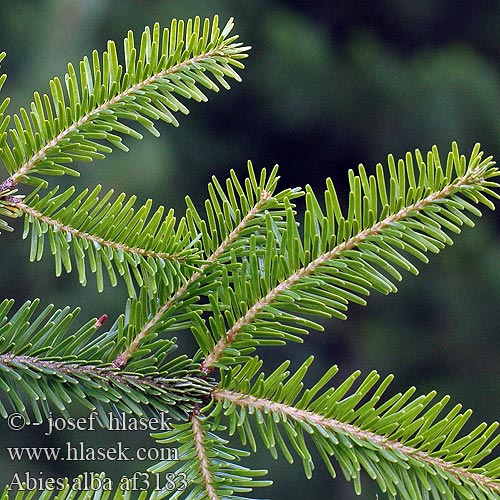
100	321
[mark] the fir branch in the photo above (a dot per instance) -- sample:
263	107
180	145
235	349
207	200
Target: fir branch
70	231
401	442
468	185
52	368
96	386
108	374
265	200
393	446
113	235
56	133
42	154
238	277
201	453
209	467
122	359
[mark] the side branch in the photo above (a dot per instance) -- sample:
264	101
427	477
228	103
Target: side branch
308	270
122	359
103	373
41	154
95	239
266	406
199	438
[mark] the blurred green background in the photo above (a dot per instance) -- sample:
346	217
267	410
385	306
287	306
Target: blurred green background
328	85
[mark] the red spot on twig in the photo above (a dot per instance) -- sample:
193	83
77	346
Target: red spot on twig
100	321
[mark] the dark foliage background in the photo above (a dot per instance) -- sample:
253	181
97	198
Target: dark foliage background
327	85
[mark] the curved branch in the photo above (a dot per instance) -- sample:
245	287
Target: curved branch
391	445
41	154
337	251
